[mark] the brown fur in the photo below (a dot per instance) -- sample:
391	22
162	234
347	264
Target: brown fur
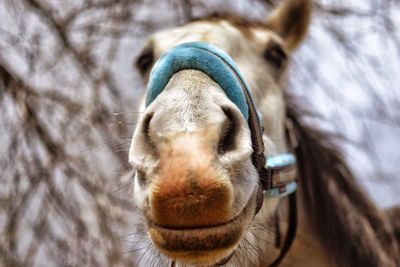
350	227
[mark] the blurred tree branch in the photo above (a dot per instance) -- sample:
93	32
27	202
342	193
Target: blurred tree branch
66	110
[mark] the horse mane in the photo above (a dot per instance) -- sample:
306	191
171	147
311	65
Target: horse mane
348	224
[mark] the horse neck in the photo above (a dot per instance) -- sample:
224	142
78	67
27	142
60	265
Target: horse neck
306	249
335	214
337	224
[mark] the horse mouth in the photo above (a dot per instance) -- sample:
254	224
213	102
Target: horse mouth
202	246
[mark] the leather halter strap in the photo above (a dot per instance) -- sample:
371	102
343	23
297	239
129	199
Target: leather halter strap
291	231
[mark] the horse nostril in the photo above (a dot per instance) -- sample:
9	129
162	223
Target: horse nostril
140	176
146	125
229	132
146	137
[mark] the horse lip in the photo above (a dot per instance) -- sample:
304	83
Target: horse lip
195	245
204	227
205	238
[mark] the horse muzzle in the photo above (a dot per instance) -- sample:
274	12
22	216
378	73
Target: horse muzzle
205	245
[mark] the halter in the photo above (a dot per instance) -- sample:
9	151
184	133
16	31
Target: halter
277	173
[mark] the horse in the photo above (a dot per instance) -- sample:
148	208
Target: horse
205	198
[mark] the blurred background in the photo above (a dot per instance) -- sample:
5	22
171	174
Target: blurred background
68	102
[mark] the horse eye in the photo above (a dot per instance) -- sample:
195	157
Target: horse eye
145	60
275	55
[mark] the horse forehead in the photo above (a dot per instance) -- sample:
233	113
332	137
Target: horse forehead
220	33
245	49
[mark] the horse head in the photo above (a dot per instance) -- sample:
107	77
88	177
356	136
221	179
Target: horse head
197	183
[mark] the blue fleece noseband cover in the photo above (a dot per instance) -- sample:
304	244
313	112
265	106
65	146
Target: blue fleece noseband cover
211	60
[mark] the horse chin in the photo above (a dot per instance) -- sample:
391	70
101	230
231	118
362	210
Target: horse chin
205	246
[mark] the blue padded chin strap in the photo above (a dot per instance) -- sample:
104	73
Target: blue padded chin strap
278	172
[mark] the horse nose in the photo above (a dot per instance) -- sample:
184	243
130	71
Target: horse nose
189	191
222	138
